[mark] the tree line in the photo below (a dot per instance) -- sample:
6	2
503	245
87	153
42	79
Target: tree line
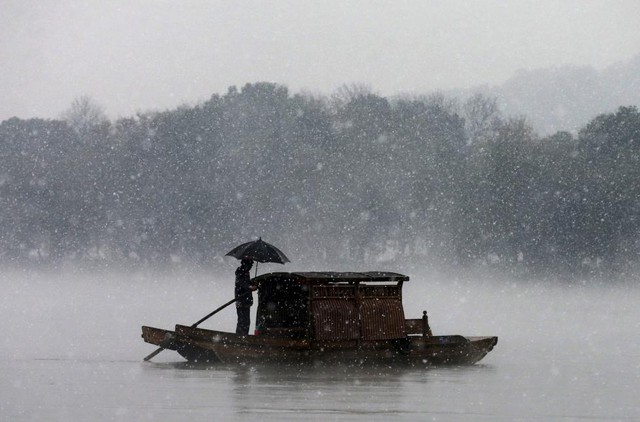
353	180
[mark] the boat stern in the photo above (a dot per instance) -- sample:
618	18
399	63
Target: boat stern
159	337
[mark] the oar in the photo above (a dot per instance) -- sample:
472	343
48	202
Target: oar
160	349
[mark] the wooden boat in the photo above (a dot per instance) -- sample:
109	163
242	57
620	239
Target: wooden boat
327	317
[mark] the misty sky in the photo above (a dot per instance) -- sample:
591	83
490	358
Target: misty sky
137	55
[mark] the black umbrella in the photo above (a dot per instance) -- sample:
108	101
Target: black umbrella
259	251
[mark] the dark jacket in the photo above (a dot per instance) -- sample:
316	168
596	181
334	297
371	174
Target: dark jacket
243	285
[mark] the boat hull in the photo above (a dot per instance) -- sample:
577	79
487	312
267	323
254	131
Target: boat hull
201	345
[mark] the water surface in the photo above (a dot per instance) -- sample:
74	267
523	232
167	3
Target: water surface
71	350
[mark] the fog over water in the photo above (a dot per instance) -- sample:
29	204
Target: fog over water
71	350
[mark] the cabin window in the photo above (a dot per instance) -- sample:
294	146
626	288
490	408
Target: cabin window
382	318
282	304
335	319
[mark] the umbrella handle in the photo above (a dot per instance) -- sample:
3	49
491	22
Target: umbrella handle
256	274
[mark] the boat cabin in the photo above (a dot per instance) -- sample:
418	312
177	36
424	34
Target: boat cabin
331	306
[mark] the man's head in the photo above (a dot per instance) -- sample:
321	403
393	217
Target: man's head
246	263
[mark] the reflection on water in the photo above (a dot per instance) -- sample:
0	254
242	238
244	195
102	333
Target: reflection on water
321	391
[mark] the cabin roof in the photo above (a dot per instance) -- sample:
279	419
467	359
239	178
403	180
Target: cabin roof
323	277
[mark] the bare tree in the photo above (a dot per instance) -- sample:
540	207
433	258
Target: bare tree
84	114
482	117
348	92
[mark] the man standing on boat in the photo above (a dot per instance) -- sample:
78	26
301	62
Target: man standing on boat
244	297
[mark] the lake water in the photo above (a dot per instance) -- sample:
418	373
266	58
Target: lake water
71	351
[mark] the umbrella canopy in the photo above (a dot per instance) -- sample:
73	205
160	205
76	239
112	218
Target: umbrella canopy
259	251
